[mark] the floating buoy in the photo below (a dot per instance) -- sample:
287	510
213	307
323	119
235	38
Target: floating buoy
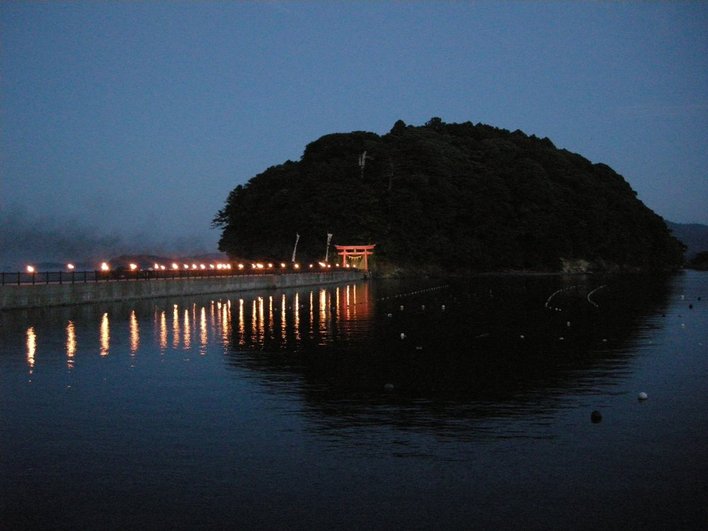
422	306
567	324
403	336
419	347
389	315
690	306
596	417
389	387
522	336
442	307
401	307
642	396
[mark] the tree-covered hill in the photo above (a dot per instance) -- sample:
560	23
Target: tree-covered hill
460	196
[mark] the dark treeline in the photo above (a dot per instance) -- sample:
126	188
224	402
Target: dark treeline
461	196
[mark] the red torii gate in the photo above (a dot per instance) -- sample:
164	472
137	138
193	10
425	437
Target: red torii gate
356	251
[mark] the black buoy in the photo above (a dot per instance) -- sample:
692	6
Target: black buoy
596	417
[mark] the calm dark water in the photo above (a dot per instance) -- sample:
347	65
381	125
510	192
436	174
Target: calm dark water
306	409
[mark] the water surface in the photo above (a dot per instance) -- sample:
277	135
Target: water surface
401	404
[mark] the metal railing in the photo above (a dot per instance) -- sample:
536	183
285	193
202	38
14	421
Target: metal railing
75	277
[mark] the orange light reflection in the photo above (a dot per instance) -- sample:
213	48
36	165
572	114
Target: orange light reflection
187	341
70	343
241	324
163	331
104	335
175	326
203	332
134	333
31	346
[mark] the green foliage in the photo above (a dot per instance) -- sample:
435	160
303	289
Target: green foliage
460	196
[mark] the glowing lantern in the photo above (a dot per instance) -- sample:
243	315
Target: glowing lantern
105	266
133	267
30	269
70	267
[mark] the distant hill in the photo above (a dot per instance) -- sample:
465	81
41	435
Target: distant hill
693	235
453	196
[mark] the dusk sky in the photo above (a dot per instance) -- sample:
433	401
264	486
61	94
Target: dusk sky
128	123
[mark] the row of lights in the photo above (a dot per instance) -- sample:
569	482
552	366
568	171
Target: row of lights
200	267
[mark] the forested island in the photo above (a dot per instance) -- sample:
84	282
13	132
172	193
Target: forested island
461	197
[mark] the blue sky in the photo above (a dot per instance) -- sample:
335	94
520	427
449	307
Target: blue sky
135	120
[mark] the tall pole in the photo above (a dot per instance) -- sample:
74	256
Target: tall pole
329	239
297	239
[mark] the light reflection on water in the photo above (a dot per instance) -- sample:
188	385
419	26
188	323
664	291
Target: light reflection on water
490	340
71	343
31	347
317	383
276	320
134	333
105	335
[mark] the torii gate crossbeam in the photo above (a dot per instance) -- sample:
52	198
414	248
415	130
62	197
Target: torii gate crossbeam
346	251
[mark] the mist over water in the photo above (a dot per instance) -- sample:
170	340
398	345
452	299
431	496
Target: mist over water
27	238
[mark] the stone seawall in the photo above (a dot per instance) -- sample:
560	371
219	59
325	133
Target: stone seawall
37	296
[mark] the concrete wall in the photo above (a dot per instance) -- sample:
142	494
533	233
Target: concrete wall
63	294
